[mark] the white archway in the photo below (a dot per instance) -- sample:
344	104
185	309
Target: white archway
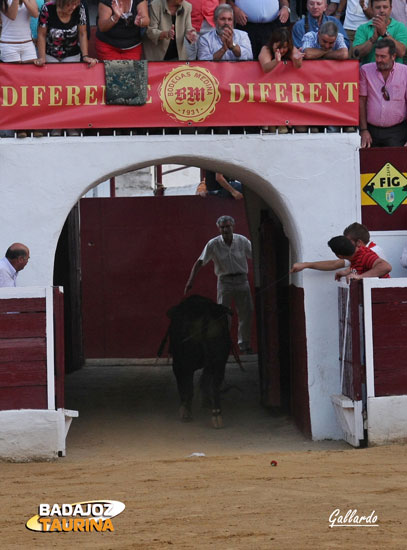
310	182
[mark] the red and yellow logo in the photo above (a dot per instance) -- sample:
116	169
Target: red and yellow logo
189	94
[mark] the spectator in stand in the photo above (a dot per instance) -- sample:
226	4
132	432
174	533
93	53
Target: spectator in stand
357	12
16	41
259	18
364	263
17	45
381	26
403	258
327	43
224	43
383	99
15	260
313	20
202	21
279	49
62	38
170	24
332	8
223	186
119	25
34	22
399	11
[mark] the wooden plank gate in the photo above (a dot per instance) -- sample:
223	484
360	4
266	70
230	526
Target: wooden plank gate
32	368
372	325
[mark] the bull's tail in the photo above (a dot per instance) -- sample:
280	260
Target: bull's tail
236	356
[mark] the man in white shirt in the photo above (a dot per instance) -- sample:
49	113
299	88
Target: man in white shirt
259	18
15	260
229	253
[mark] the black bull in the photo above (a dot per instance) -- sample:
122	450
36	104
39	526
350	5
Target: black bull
199	339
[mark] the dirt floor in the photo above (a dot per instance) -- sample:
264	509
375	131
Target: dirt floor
129	445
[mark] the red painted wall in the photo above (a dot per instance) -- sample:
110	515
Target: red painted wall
136	256
389	315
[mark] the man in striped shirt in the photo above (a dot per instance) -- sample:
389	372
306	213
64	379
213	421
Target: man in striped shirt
359	235
363	261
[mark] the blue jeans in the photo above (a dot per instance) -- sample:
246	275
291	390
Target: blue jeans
224	193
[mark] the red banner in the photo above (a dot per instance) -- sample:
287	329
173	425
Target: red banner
321	93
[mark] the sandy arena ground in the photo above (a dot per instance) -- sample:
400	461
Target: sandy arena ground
129	445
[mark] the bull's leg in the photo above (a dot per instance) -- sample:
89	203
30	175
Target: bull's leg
205	385
185	383
217	379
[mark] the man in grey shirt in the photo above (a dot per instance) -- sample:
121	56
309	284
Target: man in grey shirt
229	253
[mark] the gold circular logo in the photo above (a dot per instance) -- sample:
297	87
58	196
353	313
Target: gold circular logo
189	94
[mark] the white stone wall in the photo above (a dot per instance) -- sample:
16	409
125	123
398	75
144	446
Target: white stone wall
310	181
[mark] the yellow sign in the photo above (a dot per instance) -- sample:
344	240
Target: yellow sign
189	94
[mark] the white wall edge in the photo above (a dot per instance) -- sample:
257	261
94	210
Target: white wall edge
23	292
50	348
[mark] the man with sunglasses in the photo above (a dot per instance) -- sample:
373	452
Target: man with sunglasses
383	99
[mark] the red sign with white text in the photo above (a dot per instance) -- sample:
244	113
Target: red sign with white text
320	93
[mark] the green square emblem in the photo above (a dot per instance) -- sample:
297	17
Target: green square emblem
388	188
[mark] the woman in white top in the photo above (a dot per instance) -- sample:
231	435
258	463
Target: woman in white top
16	44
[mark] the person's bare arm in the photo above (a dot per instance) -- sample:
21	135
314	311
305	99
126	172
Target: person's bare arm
364	49
379	269
84	47
108	17
41	38
284	13
324	265
343	273
367	10
379	24
266	61
315	53
142	17
239	15
32	7
339	55
366	138
296	57
226	185
340	9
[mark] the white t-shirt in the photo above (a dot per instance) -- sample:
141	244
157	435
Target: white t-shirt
17	30
8	274
227	259
354	16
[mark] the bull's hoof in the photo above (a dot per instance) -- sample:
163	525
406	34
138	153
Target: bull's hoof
185	414
217	421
